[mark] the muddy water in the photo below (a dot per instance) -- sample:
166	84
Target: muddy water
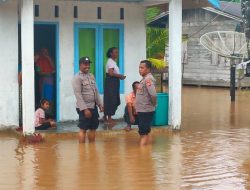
211	152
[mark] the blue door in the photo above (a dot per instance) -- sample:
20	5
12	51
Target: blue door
94	40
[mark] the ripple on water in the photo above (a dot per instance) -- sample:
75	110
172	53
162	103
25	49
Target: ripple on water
209	159
213	160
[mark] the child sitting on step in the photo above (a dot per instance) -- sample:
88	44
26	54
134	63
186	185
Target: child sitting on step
41	123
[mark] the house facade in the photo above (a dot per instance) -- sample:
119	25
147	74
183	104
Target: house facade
200	66
69	30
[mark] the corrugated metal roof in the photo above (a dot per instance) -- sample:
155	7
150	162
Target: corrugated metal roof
230	10
114	0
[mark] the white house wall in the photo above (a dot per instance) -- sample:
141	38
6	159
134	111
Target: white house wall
8	63
134	42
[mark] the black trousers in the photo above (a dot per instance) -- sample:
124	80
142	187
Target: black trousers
145	122
88	123
43	126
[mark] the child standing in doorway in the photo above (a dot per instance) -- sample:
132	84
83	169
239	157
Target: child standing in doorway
41	123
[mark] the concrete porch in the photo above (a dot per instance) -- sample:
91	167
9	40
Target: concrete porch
70	128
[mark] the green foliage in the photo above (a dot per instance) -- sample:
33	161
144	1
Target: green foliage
151	13
156	42
157	38
158	64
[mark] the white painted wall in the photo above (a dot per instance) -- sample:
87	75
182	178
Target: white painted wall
8	64
134	38
134	52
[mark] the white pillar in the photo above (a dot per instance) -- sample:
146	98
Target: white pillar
175	40
27	39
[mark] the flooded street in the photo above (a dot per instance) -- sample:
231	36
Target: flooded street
212	151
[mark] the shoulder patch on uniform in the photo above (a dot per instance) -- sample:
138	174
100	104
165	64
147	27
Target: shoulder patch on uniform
92	76
148	82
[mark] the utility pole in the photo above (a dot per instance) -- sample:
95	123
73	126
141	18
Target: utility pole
245	9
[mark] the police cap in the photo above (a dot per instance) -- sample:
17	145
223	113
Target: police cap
84	60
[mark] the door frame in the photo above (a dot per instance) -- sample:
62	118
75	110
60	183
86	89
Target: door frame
99	27
56	24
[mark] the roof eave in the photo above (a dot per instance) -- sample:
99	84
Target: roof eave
210	9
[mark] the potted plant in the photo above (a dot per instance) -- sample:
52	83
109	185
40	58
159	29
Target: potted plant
159	67
161	112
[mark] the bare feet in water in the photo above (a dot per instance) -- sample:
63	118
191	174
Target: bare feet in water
127	128
104	118
110	125
111	121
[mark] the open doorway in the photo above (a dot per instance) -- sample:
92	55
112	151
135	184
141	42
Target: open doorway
45	51
45	37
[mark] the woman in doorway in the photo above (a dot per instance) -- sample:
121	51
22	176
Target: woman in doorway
37	91
112	85
46	70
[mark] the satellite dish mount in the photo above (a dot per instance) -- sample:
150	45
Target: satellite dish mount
229	44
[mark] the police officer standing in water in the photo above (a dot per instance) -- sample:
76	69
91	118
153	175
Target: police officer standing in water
87	100
145	102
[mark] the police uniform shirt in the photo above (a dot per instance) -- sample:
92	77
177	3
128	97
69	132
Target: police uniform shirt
85	90
146	94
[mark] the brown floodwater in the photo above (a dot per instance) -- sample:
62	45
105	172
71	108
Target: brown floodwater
212	151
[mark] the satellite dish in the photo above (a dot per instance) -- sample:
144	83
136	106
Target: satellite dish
228	44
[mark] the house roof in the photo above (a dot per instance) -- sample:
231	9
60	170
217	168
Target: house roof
228	9
131	1
163	4
160	1
232	8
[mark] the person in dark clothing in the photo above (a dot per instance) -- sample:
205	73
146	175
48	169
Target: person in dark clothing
112	85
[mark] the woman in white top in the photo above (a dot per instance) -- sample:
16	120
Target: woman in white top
112	85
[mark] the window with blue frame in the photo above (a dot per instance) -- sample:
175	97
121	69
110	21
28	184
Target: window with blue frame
94	40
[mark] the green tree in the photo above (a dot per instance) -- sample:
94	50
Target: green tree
156	37
151	13
156	42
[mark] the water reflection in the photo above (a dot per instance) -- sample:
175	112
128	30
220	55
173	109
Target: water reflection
213	159
211	152
45	165
232	114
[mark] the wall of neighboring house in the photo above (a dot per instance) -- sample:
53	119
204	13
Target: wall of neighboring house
9	64
202	67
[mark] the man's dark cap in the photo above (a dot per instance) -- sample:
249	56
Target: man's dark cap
84	60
